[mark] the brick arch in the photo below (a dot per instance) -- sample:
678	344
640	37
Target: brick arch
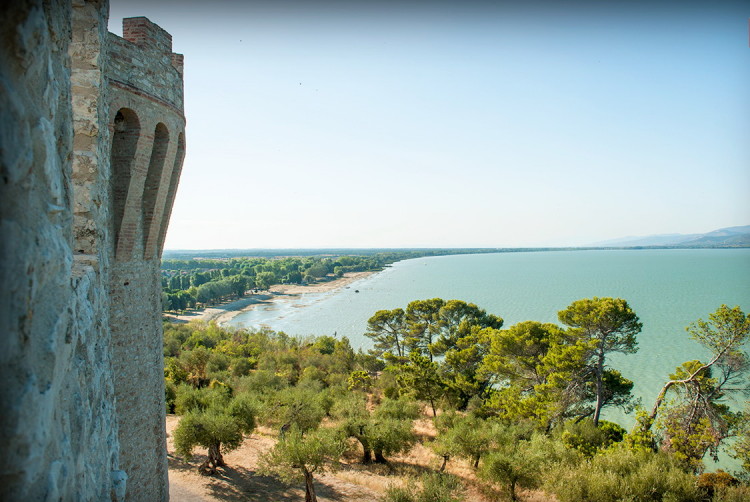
153	180
173	181
126	131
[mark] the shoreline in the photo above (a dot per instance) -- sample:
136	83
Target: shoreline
221	314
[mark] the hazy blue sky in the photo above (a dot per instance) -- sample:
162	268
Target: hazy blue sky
457	124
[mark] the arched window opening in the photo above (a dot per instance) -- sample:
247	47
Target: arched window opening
174	179
127	129
153	180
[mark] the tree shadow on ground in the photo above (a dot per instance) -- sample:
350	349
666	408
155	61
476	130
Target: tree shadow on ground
176	463
236	483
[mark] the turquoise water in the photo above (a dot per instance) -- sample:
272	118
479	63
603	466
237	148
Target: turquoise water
668	289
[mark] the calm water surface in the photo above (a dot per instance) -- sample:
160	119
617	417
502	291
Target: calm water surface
668	289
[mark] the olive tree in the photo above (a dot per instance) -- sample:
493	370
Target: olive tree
299	456
219	429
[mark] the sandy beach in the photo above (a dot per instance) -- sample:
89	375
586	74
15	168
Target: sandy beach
223	313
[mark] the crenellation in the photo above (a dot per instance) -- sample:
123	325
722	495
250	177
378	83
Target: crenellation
151	72
141	31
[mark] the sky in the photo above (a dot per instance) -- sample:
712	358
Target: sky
373	124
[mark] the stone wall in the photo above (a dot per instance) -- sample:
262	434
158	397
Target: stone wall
58	427
91	149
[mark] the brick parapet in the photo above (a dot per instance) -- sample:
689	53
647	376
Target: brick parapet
149	65
141	31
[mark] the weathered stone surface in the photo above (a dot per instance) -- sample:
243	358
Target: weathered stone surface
80	334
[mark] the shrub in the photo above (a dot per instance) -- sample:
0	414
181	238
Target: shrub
399	494
623	474
436	487
587	438
261	382
732	494
439	487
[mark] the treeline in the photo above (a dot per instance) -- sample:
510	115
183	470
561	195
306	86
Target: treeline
199	282
520	405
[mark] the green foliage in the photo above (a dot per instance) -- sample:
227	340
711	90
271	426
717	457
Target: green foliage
244	408
206	429
296	452
387	329
439	487
399	494
641	438
519	462
294	407
170	393
456	320
420	378
462	367
588	438
389	436
537	376
189	398
611	325
261	382
398	409
741	448
297	455
694	420
539	369
386	431
619	474
435	487
186	283
213	422
359	380
468	437
739	493
435	326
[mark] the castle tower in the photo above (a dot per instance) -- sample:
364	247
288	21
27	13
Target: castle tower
146	127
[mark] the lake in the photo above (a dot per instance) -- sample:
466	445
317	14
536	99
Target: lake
667	288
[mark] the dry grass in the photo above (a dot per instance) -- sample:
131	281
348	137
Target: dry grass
351	482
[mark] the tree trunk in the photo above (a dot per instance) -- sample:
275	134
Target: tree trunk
379	458
432	404
309	487
476	462
445	462
599	387
513	495
214	460
367	455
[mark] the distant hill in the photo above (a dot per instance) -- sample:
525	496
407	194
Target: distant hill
723	237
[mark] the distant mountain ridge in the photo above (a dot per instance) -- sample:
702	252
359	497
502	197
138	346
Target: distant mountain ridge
723	237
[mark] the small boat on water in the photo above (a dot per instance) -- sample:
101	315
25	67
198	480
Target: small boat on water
356	291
